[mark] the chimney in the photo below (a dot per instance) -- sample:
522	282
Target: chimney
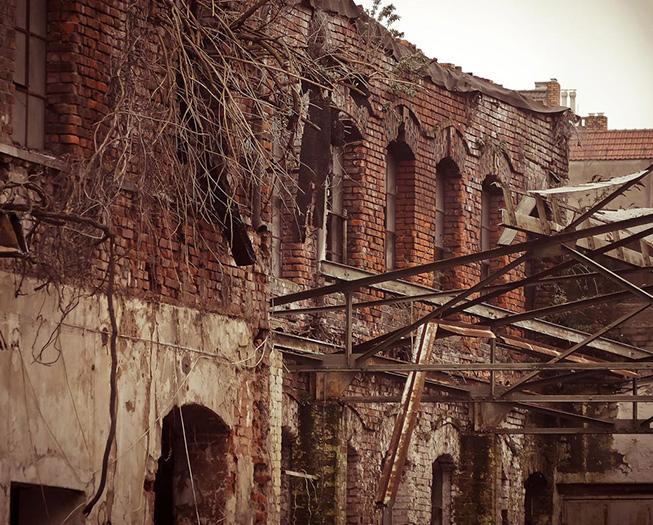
572	100
553	93
563	97
596	122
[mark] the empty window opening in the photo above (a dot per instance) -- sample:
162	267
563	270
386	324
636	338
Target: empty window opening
446	175
441	491
440	188
28	119
336	216
399	203
276	235
491	199
31	504
390	211
194	438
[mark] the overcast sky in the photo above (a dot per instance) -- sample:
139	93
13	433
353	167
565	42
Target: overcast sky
601	48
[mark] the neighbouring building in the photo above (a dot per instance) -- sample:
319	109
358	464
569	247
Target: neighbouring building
598	153
190	317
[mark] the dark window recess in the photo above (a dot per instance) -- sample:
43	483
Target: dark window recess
28	119
437	496
442	470
276	235
440	184
313	163
31	504
336	218
486	229
390	212
491	202
446	174
226	209
536	498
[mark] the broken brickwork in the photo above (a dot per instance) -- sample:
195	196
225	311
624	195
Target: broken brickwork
199	379
472	141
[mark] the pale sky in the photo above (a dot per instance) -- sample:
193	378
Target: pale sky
601	48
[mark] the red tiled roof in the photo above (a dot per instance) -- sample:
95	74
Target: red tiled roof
617	144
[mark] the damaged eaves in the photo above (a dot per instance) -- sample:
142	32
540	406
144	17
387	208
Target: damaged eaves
452	80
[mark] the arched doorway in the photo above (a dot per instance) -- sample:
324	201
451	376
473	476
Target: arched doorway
193	479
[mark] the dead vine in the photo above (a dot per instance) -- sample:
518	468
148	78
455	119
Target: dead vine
204	103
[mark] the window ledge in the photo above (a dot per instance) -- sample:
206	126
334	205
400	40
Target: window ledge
31	156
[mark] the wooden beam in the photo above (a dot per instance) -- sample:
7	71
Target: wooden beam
525	207
406	420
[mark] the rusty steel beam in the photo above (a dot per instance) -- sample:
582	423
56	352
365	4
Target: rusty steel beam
512	398
538	277
561	378
432	295
609	274
553	412
581	345
486	311
564	431
462	260
372	346
474	367
559	308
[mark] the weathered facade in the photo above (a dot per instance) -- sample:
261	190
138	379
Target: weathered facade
167	385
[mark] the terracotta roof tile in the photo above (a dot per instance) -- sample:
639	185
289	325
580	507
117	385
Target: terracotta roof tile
617	144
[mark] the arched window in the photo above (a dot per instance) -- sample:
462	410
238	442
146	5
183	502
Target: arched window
336	217
535	498
390	246
446	173
400	170
491	202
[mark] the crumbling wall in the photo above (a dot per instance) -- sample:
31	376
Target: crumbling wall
477	137
57	416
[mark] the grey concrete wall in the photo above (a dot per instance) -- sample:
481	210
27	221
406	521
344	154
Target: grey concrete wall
583	171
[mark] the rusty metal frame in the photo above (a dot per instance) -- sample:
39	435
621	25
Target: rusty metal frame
537	245
583	240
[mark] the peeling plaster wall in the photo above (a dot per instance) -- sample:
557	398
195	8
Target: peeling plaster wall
54	419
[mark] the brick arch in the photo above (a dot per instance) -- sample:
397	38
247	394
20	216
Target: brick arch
497	164
497	178
400	166
449	142
538	498
402	124
450	239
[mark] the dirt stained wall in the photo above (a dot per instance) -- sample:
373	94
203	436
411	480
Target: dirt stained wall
55	418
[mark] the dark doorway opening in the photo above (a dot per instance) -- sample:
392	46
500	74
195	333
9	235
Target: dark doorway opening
194	477
536	497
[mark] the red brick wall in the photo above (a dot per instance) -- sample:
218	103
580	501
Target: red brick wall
7	57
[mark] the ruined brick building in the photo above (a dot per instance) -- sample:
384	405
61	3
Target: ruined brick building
244	361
